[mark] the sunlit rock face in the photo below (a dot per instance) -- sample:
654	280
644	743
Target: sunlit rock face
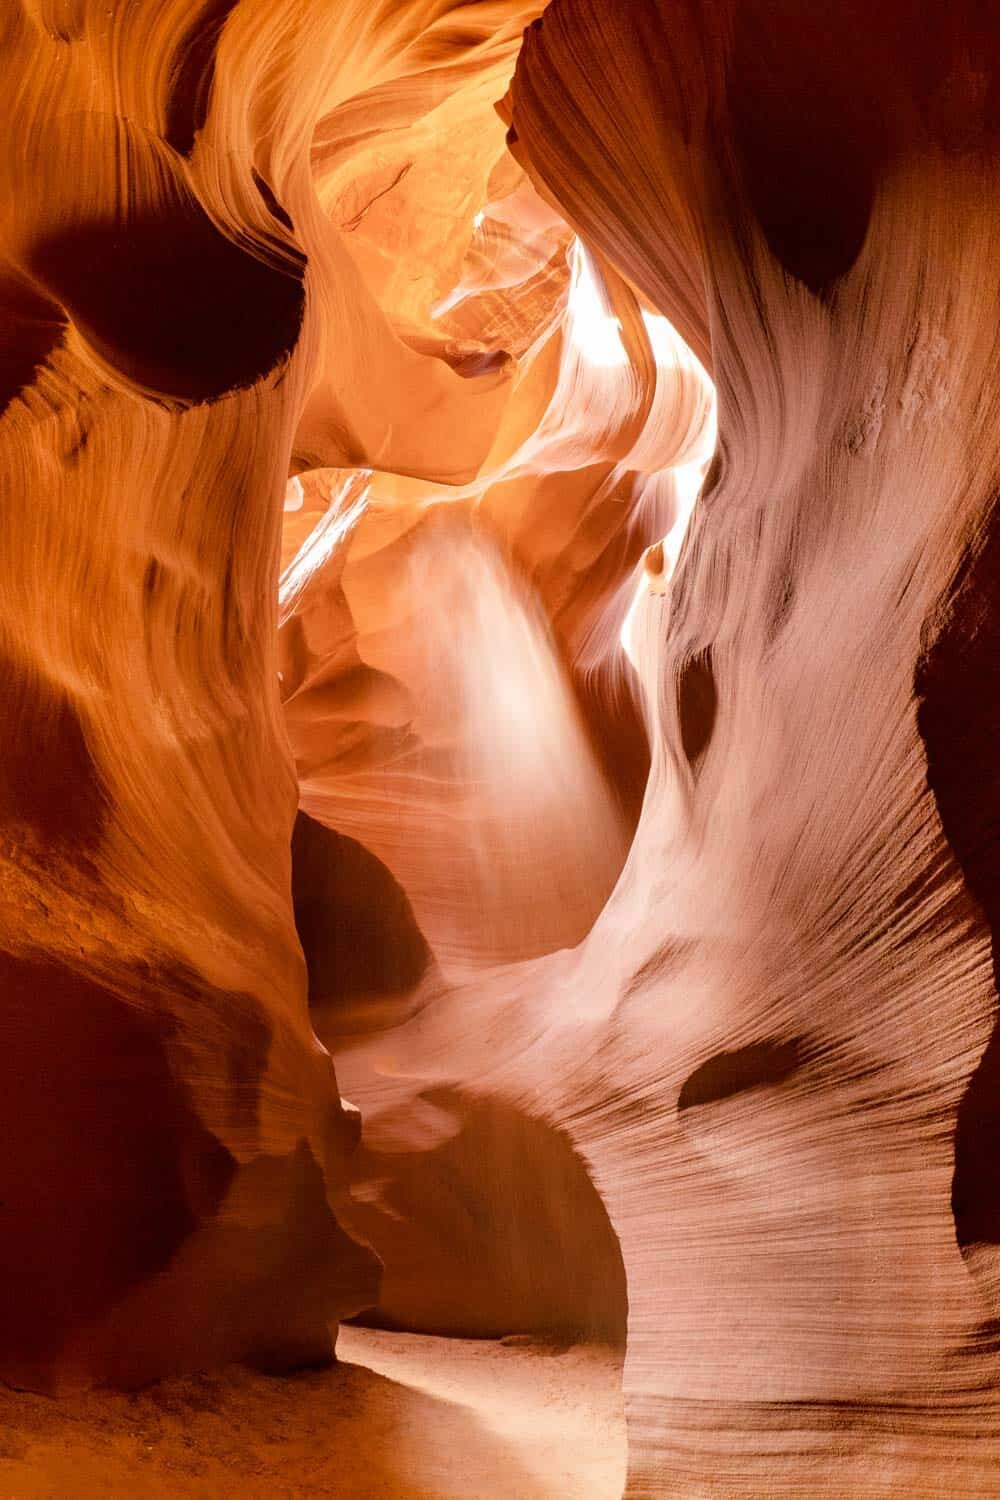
791	988
454	683
202	295
399	661
461	705
174	1144
772	1049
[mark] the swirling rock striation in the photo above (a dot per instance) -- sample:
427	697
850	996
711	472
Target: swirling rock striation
355	650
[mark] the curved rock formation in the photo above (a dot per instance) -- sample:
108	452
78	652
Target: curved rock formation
390	629
185	322
794	903
174	1143
770	1048
451	670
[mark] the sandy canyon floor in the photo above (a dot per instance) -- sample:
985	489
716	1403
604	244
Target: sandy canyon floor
401	1417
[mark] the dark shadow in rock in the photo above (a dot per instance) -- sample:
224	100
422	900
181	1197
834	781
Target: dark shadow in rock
958	690
49	781
193	74
105	1168
172	304
274	208
265	1281
132	1241
809	132
355	923
761	1065
697	703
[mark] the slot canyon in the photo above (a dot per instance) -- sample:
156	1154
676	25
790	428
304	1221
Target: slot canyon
500	783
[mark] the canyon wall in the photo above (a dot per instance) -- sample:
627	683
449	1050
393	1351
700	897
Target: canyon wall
772	1049
789	1111
180	318
500	575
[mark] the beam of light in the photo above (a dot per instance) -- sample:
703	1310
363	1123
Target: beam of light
666	343
660	560
688	479
348	502
592	330
295	495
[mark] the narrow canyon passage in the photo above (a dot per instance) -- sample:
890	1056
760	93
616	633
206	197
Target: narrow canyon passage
499	837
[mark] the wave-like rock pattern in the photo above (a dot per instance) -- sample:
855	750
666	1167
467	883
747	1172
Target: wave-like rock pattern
787	1106
773	1049
356	652
180	316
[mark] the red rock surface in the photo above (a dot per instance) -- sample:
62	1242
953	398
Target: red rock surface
500	576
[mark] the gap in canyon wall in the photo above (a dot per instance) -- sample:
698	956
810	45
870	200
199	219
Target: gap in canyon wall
498	671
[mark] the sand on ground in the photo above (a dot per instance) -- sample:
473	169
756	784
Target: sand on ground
400	1417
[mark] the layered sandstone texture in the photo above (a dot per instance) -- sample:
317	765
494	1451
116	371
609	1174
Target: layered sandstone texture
500	589
771	1052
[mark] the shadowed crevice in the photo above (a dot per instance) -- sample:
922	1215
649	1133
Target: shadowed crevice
761	1065
809	136
193	74
163	296
88	1209
697	703
354	920
958	689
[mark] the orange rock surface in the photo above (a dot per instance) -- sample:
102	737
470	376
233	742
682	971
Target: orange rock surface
498	597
